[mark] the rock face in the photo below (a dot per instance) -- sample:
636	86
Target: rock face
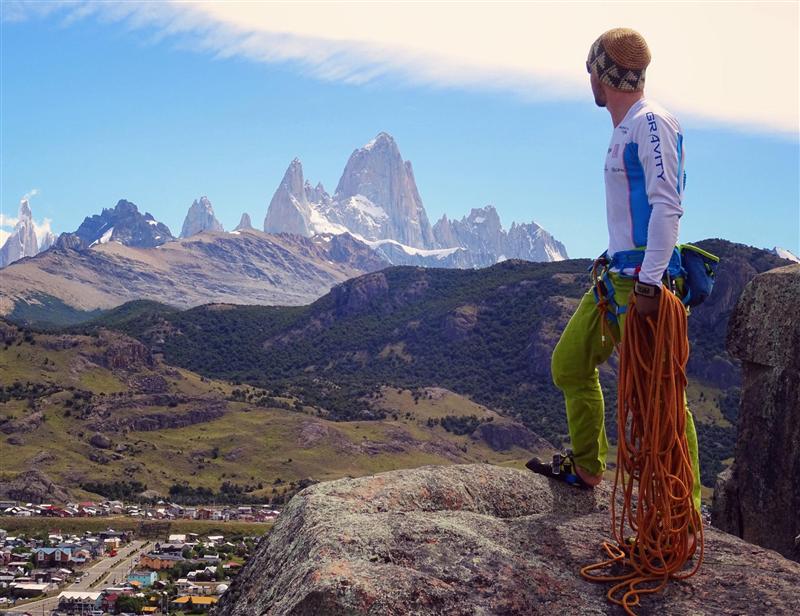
290	211
33	487
124	224
244	223
22	242
481	233
377	196
473	539
199	218
759	499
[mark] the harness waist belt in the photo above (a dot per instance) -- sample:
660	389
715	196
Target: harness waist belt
624	259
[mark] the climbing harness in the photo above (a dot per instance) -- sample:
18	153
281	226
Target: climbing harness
652	453
690	274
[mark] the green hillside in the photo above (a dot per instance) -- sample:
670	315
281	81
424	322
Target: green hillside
97	416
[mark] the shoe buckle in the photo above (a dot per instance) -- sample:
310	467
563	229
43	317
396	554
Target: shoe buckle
556	463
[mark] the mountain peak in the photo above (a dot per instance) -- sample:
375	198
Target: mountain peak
377	196
125	207
289	211
25	210
381	139
244	223
124	224
199	218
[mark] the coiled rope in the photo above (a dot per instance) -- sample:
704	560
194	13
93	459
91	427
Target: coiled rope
653	455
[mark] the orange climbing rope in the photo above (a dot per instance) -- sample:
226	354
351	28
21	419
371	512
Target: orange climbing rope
652	454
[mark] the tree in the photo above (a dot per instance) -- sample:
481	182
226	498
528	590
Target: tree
129	603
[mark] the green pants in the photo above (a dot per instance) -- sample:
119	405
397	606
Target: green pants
574	365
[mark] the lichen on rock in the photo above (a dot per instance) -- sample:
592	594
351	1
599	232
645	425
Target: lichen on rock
473	539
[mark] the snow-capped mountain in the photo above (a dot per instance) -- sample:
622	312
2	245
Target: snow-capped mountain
22	242
124	224
785	253
377	202
377	196
199	218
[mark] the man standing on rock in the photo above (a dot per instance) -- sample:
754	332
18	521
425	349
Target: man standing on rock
644	179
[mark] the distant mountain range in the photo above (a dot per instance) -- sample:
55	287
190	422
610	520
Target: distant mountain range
377	201
311	241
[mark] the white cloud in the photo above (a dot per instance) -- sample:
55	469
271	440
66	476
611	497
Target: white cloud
728	63
41	229
4	236
8	221
31	194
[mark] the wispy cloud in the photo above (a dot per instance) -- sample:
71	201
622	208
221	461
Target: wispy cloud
729	63
8	221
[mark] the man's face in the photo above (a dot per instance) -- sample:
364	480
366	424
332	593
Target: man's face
597	90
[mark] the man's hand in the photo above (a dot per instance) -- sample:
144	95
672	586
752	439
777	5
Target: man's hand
647	306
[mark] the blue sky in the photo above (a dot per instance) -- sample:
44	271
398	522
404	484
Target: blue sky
94	111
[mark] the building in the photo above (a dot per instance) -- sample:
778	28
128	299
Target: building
156	562
27	589
144	578
79	601
53	557
191	603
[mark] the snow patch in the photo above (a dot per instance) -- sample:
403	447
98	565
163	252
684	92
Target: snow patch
785	253
439	253
104	239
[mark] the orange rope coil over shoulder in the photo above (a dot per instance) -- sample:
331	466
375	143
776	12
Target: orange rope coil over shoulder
653	454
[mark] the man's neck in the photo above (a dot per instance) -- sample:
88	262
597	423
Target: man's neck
619	104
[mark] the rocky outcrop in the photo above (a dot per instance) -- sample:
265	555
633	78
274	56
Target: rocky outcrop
180	411
473	539
124	224
759	499
70	241
101	441
123	353
199	218
709	322
33	487
503	436
244	223
22	241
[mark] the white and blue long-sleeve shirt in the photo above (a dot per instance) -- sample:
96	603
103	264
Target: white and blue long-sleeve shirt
645	177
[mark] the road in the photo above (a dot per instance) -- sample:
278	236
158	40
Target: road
117	568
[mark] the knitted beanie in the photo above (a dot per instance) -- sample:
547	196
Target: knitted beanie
620	57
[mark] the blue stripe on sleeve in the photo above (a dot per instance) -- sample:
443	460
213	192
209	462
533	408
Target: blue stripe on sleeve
639	205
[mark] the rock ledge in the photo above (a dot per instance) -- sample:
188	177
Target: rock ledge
473	539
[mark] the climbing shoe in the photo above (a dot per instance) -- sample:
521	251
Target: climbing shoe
561	468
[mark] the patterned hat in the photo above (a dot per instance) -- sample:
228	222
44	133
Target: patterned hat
620	57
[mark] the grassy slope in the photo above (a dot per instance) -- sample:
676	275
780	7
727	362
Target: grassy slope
260	444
